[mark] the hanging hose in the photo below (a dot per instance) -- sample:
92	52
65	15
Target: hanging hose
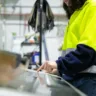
47	17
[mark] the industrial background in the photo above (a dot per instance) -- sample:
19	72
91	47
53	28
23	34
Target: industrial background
14	15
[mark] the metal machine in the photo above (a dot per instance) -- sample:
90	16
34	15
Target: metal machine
31	83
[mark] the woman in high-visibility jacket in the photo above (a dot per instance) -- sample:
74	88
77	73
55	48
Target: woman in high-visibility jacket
78	65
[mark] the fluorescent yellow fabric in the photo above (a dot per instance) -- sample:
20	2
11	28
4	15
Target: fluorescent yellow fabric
82	27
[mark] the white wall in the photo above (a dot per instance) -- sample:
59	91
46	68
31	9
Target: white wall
20	30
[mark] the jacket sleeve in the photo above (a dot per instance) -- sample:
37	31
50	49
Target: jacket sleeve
76	61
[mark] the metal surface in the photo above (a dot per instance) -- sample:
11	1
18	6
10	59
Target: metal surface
44	85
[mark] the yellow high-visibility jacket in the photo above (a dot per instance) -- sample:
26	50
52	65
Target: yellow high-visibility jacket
82	27
80	35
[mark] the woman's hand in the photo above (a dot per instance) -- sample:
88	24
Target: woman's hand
49	67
